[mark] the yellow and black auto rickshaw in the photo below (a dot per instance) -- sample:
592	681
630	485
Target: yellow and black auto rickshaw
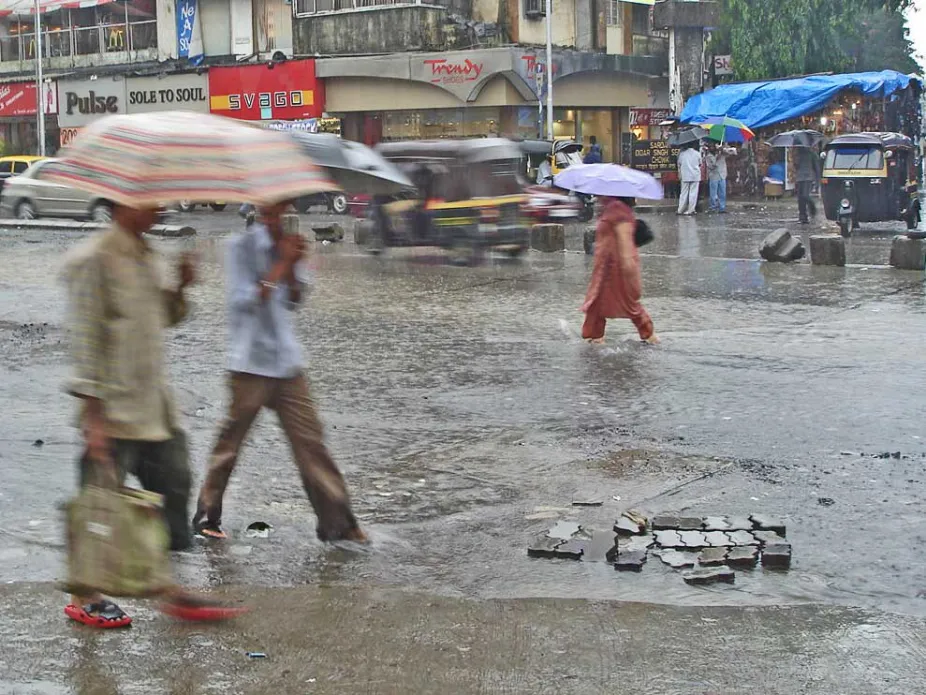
469	197
870	177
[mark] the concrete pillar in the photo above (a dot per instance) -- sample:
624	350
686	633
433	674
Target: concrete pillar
548	238
588	240
166	13
827	249
331	232
907	253
781	247
686	22
362	232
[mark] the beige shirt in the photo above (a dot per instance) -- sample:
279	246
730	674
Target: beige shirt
118	310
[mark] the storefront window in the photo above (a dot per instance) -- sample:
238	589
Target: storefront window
597	122
441	123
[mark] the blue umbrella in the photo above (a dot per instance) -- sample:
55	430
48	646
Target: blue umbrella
609	180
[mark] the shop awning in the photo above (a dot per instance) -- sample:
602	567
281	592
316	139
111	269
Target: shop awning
759	104
27	7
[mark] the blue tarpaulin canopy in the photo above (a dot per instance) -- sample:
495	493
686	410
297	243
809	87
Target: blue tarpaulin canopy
759	104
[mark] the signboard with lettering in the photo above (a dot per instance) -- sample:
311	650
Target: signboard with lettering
189	31
84	101
654	156
66	136
648	117
18	99
723	65
188	92
284	91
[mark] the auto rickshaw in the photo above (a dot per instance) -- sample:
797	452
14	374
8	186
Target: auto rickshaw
870	177
469	197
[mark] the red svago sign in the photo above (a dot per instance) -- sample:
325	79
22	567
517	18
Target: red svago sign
445	72
287	91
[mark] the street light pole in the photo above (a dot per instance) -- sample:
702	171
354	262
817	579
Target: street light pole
548	75
39	81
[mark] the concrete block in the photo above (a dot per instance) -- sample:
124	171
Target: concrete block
362	232
290	223
781	247
588	241
828	249
669	539
677	559
690	523
664	522
743	558
712	557
742	538
570	550
777	556
542	546
332	232
630	561
548	238
907	253
564	530
717	539
693	539
764	522
601	548
769	538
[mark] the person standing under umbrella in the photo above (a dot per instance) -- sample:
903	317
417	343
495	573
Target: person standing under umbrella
266	282
616	284
717	175
689	168
807	174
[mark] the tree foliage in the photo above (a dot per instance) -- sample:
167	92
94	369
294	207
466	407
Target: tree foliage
795	37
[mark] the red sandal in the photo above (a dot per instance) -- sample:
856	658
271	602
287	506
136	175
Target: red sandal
200	610
104	615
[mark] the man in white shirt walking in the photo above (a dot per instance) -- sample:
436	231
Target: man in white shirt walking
266	282
689	169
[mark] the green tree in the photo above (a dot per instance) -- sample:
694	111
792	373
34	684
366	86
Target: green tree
794	37
884	44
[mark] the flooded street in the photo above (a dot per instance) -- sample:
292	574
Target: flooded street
467	415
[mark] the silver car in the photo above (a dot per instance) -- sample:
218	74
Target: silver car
28	197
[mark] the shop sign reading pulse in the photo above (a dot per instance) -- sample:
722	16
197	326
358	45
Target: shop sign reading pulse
90	104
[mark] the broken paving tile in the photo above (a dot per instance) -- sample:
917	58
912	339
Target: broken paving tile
693	539
631	543
769	538
739	523
601	547
564	530
777	556
570	550
628	527
689	523
665	523
744	557
669	539
711	557
631	561
543	546
763	522
742	538
710	575
716	539
717	523
677	559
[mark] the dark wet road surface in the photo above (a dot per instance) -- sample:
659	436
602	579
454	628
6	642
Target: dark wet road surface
462	412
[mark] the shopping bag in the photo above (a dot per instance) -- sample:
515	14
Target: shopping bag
117	543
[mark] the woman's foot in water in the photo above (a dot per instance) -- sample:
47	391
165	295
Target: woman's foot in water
652	340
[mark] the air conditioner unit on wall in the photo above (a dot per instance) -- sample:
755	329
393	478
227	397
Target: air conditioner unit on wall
534	9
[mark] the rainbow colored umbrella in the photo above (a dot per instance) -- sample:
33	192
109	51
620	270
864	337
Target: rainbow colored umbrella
726	129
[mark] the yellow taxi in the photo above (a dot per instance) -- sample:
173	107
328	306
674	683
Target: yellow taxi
16	165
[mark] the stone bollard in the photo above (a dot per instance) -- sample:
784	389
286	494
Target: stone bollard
907	253
362	232
332	232
548	238
827	249
588	241
781	247
290	223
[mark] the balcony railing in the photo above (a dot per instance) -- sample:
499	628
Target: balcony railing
79	41
304	8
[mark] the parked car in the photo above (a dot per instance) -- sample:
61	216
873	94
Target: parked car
15	165
190	206
28	197
550	205
335	202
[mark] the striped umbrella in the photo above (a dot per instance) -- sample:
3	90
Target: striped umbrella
143	160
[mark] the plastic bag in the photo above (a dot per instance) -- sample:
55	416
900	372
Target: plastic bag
117	543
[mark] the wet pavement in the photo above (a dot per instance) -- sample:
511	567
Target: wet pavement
467	415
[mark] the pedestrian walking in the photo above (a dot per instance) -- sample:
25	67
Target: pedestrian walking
266	281
118	310
807	175
689	168
717	175
616	283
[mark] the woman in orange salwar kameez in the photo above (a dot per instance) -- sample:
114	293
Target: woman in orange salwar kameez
615	288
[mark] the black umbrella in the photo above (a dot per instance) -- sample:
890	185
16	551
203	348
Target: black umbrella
683	137
797	138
